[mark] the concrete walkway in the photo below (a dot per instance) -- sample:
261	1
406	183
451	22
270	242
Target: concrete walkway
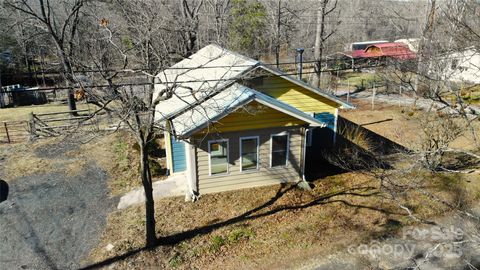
174	185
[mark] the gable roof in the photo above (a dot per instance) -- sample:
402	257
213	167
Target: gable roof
209	72
344	105
216	107
396	50
201	75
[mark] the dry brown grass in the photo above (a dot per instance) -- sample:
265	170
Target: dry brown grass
21	160
113	152
357	136
278	231
22	113
404	127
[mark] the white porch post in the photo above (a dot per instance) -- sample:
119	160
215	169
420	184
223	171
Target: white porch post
191	172
335	127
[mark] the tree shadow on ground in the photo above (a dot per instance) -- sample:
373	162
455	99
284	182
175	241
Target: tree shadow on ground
259	212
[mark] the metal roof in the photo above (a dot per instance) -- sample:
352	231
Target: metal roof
202	74
209	110
396	50
213	109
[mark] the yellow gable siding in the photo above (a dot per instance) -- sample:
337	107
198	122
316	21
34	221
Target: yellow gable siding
253	116
296	96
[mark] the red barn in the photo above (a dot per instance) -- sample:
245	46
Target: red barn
396	50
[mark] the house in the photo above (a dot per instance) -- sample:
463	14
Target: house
234	122
17	95
393	50
462	66
412	43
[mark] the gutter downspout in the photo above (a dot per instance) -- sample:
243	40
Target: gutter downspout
304	154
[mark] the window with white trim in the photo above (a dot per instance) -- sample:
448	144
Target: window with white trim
248	153
218	153
279	150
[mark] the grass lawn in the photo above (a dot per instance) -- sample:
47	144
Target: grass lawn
355	79
272	227
278	227
22	113
397	123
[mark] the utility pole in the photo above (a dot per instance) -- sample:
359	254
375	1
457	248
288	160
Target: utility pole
299	60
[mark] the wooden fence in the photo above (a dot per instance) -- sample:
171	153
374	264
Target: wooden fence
58	123
55	124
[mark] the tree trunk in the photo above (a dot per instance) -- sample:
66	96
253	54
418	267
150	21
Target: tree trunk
277	39
68	73
319	39
150	234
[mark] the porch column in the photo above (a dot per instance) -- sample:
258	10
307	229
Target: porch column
191	172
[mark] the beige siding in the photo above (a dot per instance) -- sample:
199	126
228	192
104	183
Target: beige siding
264	175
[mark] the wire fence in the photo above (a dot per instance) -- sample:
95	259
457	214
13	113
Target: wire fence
14	131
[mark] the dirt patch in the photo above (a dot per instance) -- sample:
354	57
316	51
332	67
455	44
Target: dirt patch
61	148
51	219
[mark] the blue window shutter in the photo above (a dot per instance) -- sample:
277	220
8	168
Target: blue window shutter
326	118
178	156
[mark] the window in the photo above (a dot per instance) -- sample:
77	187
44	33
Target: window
309	136
249	153
218	152
279	150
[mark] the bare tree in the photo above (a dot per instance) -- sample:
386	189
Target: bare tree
220	10
59	20
190	14
325	8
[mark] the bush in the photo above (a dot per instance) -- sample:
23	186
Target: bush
240	233
217	243
155	168
175	261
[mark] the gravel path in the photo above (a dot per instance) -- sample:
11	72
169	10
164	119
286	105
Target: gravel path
53	220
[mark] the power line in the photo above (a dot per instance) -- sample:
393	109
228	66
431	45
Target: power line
146	69
168	68
174	82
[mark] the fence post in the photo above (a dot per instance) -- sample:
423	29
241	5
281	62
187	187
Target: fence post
6	131
31	124
348	92
373	96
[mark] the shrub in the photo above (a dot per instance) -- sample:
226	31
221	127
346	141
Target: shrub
217	243
240	233
175	261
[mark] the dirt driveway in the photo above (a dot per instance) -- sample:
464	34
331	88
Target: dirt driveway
52	220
